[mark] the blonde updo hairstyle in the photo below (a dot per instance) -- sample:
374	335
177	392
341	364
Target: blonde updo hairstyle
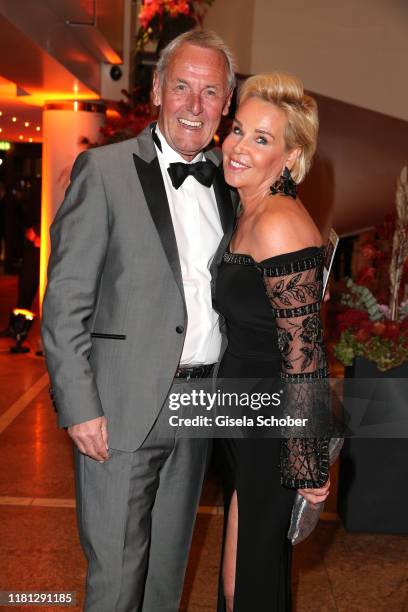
286	92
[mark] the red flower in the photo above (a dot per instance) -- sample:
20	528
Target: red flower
392	330
404	326
379	328
351	318
153	8
175	7
149	10
363	335
366	275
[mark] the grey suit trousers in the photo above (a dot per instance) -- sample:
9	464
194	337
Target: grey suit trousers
136	515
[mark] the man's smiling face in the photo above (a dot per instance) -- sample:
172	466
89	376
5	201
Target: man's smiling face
192	97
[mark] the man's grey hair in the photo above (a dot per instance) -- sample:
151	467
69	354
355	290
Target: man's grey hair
199	38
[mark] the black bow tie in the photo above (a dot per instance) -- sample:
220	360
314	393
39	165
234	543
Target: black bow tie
203	172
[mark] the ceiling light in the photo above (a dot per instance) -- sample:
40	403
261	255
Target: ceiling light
38	128
26	123
14	119
21	137
30	140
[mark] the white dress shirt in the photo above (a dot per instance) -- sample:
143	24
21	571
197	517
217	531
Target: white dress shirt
198	231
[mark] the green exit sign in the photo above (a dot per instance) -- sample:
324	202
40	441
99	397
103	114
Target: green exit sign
5	145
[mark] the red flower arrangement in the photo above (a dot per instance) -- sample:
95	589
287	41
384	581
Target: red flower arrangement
154	17
375	324
157	8
383	342
363	328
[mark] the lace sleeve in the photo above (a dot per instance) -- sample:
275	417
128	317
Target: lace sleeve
294	289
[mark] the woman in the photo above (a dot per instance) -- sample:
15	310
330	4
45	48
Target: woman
269	291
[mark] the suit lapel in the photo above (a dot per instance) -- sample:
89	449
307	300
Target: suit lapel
151	180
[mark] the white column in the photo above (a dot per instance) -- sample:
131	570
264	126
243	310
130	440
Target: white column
65	127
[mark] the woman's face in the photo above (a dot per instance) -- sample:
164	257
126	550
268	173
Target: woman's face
255	152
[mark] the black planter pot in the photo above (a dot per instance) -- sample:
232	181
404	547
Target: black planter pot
373	491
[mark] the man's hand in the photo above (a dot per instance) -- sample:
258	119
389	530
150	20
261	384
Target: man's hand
315	496
91	438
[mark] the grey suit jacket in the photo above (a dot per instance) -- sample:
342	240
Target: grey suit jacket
114	313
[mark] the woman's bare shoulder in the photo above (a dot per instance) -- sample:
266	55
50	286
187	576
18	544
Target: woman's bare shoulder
284	227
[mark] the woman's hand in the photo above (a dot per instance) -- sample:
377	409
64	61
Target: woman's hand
315	496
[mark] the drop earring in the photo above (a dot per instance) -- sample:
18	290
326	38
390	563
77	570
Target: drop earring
285	184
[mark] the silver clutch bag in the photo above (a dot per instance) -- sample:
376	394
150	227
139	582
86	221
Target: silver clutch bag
305	518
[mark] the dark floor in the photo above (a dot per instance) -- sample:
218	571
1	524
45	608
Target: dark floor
39	548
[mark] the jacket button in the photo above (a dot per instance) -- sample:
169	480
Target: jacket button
179	329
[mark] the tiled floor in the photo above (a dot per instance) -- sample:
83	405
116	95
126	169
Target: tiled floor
39	548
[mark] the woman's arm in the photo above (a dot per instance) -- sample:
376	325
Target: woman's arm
294	288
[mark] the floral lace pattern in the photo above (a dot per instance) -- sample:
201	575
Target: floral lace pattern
295	292
295	299
309	331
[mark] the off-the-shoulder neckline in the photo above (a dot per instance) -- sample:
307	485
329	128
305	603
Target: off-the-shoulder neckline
263	261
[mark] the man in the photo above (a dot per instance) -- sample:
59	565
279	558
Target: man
127	317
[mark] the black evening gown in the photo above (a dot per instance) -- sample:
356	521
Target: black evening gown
271	310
